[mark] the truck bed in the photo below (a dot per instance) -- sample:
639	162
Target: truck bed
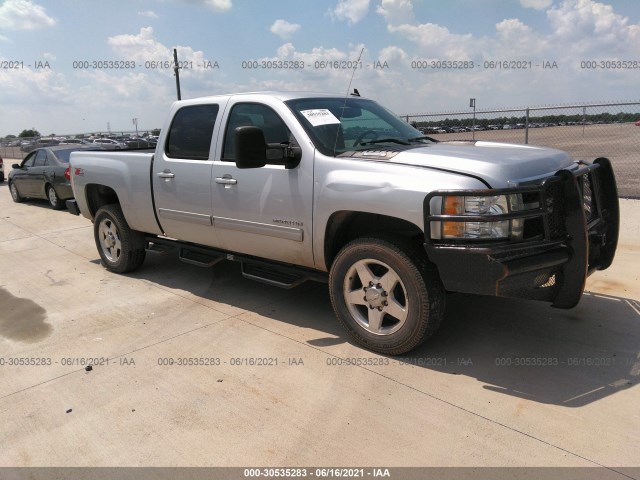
125	172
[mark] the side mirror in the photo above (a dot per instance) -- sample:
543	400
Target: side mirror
252	150
250	147
15	165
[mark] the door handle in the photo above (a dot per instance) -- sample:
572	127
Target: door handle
226	180
166	174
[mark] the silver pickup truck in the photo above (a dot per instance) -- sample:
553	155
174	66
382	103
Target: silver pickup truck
300	186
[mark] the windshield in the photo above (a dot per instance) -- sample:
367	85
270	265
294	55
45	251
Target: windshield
338	125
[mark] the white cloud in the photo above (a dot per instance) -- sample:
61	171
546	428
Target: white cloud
24	15
396	11
218	5
589	26
536	4
48	56
140	47
351	11
284	29
143	47
31	87
221	5
148	14
392	53
437	41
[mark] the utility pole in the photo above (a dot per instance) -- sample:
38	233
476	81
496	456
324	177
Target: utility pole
176	71
472	103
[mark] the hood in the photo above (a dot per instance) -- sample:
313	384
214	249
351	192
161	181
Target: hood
499	164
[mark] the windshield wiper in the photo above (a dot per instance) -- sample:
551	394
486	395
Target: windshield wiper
415	139
384	140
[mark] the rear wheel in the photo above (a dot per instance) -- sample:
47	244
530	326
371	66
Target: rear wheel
121	248
54	201
386	294
14	193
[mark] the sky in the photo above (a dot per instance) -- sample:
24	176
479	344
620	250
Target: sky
73	66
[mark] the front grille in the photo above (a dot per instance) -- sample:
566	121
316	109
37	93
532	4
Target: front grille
588	198
554	197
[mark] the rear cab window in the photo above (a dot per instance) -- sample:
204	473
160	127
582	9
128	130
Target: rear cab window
191	132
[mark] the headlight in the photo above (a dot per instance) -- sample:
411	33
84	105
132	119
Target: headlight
485	206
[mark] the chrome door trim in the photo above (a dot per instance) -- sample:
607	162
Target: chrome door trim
199	218
277	231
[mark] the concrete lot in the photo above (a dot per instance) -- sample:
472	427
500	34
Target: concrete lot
459	401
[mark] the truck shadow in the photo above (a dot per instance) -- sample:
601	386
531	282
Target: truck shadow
520	348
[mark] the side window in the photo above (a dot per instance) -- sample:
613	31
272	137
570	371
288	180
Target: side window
29	161
191	132
41	159
247	114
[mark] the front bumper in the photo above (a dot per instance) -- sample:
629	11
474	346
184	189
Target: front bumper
572	232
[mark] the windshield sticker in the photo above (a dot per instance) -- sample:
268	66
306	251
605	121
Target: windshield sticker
320	116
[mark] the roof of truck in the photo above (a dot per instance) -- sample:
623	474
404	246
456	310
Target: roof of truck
281	95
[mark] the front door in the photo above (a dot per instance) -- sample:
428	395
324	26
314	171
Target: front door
36	174
21	177
265	211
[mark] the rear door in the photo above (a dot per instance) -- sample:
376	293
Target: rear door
265	211
182	173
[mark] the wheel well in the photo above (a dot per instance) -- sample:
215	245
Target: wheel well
98	196
343	227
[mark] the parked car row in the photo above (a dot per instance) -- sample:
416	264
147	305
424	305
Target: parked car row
507	126
107	143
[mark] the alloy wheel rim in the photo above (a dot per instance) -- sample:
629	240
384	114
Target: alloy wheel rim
109	240
376	297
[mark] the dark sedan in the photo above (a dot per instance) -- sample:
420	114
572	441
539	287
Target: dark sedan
44	173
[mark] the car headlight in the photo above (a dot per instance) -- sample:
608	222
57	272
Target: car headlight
485	206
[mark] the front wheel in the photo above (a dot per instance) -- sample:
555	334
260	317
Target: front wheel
386	294
54	201
121	249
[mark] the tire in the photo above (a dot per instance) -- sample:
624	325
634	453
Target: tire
14	193
404	300
121	249
54	200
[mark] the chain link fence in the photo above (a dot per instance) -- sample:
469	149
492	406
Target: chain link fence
585	131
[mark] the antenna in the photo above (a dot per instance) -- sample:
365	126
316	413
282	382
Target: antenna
355	65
